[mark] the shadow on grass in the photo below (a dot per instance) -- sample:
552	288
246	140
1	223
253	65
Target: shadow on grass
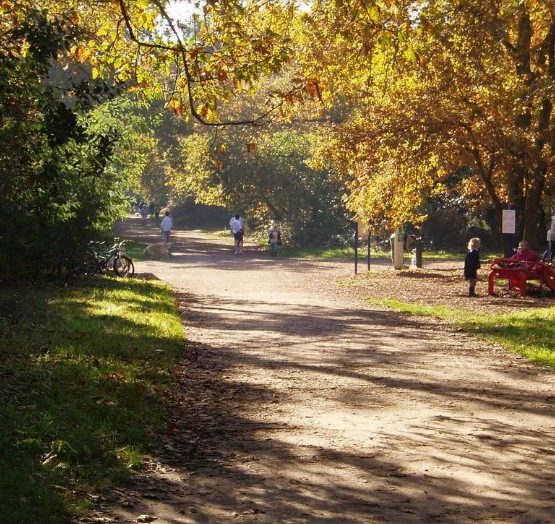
83	373
530	334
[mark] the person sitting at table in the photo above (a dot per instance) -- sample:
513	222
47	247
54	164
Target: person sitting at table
525	254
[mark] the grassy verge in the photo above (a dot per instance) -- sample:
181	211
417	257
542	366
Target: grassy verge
530	333
458	255
82	376
134	249
328	252
348	253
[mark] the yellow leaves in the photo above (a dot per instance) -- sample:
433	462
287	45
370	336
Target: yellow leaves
24	49
386	199
410	54
206	111
374	14
312	88
196	174
80	53
176	106
105	29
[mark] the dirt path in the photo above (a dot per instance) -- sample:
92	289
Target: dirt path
300	403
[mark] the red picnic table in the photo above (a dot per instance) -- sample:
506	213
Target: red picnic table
519	272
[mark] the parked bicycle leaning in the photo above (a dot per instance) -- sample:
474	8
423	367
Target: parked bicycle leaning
102	257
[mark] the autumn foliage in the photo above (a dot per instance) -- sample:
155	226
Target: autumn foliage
416	100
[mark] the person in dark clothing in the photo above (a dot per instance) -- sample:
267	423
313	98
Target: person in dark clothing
274	239
471	265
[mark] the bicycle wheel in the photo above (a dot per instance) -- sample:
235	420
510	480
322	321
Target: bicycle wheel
123	266
131	268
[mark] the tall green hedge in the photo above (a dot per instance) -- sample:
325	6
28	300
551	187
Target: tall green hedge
54	188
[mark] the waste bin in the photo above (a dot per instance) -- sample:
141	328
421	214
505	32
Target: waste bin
396	240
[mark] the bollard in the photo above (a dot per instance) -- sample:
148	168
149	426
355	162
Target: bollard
418	248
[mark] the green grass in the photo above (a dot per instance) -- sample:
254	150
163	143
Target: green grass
442	255
217	232
83	370
347	252
457	255
328	252
134	249
530	333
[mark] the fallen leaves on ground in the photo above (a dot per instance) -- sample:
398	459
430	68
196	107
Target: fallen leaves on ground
442	284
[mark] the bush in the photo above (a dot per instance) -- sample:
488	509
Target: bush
54	188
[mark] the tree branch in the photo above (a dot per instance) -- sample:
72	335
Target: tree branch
180	49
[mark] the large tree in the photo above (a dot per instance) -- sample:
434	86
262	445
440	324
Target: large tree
414	89
265	175
446	85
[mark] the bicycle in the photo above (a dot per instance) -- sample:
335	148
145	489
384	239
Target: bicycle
100	257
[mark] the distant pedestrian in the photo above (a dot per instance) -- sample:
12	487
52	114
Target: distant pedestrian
274	239
166	227
238	231
471	265
549	254
144	214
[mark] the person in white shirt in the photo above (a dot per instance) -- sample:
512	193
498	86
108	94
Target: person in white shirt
274	239
549	254
166	227
237	230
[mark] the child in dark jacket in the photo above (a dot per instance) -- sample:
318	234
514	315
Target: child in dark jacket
471	265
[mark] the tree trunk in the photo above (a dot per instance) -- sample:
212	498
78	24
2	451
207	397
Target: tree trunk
528	186
533	229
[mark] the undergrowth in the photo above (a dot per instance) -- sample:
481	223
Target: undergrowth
83	374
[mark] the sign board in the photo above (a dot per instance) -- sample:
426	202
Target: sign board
508	222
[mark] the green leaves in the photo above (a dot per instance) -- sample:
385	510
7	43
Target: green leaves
54	188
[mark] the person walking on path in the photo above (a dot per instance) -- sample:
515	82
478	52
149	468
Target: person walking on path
166	227
274	238
144	214
238	231
471	265
549	254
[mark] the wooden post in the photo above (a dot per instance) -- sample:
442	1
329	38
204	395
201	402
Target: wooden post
356	247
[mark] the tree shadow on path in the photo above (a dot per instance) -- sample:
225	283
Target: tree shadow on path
226	456
315	412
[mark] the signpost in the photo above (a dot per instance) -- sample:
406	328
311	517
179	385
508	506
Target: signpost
356	246
508	229
368	250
